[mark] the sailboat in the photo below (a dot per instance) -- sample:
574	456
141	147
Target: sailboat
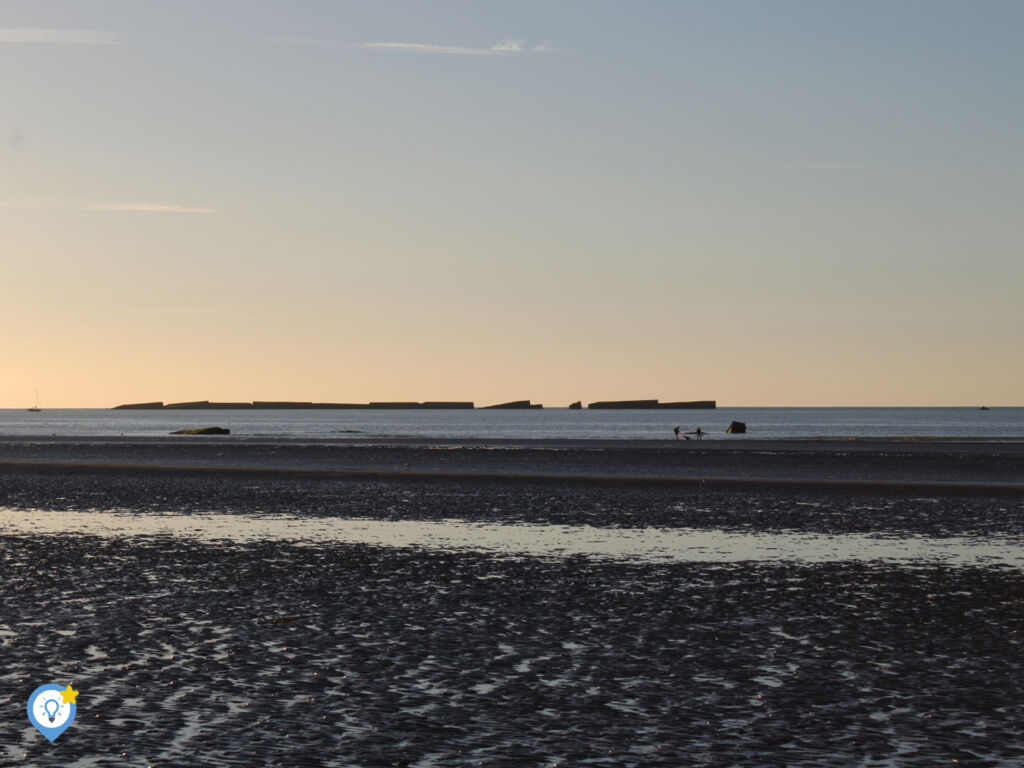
35	408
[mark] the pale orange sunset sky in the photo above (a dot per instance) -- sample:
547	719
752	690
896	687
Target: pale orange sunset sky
781	203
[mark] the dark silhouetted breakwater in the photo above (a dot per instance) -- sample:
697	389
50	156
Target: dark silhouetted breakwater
199	405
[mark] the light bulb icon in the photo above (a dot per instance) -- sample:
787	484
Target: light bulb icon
51	707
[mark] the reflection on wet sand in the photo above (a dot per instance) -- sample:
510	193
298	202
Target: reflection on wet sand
644	544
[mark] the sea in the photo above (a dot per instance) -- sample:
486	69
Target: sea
549	423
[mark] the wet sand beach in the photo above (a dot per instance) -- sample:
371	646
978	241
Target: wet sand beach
284	652
870	461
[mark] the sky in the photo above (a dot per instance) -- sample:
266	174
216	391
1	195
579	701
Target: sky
763	203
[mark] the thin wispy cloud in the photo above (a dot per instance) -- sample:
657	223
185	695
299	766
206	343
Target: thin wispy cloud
509	47
451	50
822	166
546	47
150	208
58	36
113	207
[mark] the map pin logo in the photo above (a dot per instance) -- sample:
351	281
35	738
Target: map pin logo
51	709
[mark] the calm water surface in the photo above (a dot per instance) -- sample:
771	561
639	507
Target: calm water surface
551	423
654	545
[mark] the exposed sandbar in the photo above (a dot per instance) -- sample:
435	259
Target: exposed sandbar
897	466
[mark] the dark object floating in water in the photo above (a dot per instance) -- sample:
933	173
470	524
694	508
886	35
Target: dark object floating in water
737	428
577	406
514	405
651	404
983	408
203	431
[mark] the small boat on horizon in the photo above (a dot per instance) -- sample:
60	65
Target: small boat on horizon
35	408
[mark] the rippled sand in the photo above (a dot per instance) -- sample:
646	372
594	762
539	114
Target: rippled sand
270	654
233	652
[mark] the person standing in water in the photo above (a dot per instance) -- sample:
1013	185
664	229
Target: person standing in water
699	433
676	430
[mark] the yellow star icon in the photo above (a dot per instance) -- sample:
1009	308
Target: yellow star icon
69	694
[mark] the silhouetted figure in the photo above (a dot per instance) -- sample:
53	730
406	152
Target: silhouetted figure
676	430
699	433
